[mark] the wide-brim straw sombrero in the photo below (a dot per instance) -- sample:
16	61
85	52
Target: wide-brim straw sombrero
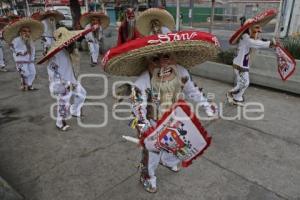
64	38
144	19
260	19
11	31
188	47
2	25
86	19
49	13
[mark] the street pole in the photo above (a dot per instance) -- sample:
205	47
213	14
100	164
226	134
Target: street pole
212	14
86	6
177	15
27	8
191	12
278	22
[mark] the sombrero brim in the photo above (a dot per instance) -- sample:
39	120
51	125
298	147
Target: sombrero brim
50	13
144	19
2	25
86	18
59	45
261	19
11	31
129	59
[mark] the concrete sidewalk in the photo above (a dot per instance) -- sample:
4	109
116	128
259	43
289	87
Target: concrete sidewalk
247	159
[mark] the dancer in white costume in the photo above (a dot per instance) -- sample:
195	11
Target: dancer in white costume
247	38
21	35
63	83
95	38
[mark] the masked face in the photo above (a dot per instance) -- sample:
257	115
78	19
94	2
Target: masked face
255	31
25	33
155	26
95	21
130	16
162	67
165	82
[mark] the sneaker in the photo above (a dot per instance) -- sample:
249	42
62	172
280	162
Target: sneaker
3	69
148	187
238	103
211	111
64	128
175	168
31	88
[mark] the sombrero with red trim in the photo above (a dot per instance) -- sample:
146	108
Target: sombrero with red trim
11	31
49	13
63	38
86	18
13	17
188	47
144	19
4	19
261	19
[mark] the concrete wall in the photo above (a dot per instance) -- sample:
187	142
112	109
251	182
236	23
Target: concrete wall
262	72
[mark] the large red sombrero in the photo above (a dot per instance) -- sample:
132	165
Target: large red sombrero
49	13
162	15
189	47
63	38
86	18
261	19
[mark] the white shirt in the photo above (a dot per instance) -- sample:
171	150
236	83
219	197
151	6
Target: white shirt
90	35
244	46
20	52
60	68
143	83
48	33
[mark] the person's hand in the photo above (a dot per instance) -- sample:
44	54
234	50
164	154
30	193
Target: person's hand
273	43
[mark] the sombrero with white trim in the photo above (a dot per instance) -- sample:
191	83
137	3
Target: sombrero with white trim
49	13
144	19
260	19
189	48
64	38
86	18
11	31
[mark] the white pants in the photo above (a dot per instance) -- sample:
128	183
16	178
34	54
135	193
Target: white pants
2	64
27	73
151	161
94	51
242	83
63	95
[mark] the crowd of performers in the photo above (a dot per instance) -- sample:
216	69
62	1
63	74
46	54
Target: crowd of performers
147	47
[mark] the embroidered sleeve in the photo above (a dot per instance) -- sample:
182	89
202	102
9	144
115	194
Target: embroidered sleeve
191	90
257	43
138	101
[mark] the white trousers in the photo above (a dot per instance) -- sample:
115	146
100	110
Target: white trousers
242	83
27	73
63	95
151	161
94	51
2	64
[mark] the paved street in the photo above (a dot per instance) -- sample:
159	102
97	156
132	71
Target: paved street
253	160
